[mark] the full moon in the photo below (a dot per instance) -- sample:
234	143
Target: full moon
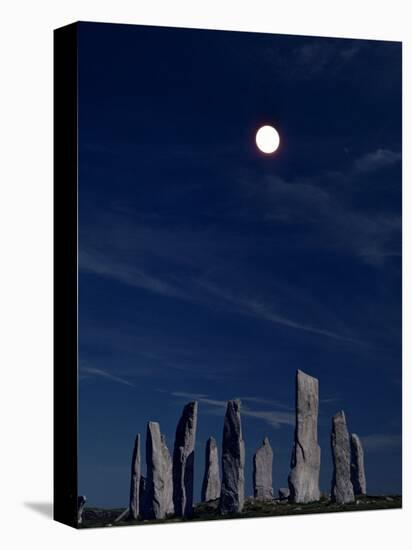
267	139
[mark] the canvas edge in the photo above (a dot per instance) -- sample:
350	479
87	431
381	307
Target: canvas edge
65	146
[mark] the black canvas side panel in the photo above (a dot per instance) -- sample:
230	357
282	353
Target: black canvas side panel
65	275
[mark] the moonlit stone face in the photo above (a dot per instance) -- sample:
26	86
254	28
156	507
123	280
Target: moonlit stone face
232	494
267	139
305	463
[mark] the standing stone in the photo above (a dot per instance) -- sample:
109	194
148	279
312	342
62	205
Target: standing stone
284	493
81	503
168	477
183	461
211	480
358	477
262	472
135	480
158	484
232	493
342	489
305	463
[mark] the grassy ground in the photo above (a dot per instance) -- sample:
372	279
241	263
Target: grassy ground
99	517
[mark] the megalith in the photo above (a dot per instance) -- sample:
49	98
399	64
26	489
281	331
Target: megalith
284	493
157	480
183	461
168	477
342	488
358	477
262	472
211	479
305	463
135	480
232	494
81	503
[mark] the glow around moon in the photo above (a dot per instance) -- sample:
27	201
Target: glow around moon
267	139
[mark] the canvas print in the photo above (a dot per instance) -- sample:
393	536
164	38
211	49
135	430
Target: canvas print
239	275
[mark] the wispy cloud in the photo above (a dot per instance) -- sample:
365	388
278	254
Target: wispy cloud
380	442
200	291
263	401
259	310
188	395
376	160
328	400
322	56
201	398
105	374
323	203
273	418
196	265
123	272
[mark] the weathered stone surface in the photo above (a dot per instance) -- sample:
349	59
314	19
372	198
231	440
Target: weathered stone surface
284	493
168	477
342	489
81	502
305	463
183	461
157	493
358	477
262	472
211	479
232	495
135	480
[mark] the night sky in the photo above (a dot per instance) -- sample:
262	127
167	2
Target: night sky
211	271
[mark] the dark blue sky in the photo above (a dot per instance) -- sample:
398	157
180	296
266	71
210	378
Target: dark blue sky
209	270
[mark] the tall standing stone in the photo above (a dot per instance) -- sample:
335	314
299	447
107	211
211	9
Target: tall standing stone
358	477
81	503
135	480
342	489
157	503
262	472
168	477
305	463
183	461
232	493
211	479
